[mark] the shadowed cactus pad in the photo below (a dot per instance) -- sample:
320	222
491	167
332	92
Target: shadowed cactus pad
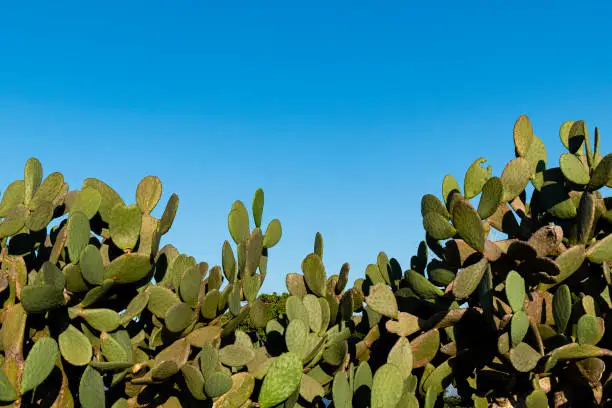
282	379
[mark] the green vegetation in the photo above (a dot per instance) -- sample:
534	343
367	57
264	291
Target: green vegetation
95	314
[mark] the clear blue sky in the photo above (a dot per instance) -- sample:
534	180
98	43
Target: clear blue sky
346	113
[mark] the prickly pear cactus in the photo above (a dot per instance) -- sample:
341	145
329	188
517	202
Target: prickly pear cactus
519	320
95	314
504	303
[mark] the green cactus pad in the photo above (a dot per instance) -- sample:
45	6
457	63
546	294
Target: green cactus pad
318	245
135	307
39	217
75	346
178	317
217	384
569	262
7	391
78	235
273	234
335	353
315	316
519	325
48	191
41	298
585	217
128	268
373	273
363	376
113	349
101	319
601	251
468	224
468	278
523	135
283	378
258	206
169	213
14	222
296	285
189	287
387	386
295	335
590	329
574	169
524	358
124	225
602	174
422	286
251	285
204	335
449	184
310	389
243	385
341	392
215	279
382	301
253	252
234	355
438	226
537	399
515	291
164	370
431	204
515	177
92	266
52	275
228	261
209	304
492	196
110	198
194	381
238	222
314	274
12	197
209	359
91	389
440	275
562	307
401	356
87	201
405	325
564	131
343	277
475	178
577	136
33	174
39	363
148	193
588	304
161	300
538	158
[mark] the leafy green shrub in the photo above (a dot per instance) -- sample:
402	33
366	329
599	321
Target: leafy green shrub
96	314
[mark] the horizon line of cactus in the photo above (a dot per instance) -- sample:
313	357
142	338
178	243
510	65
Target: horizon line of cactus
95	314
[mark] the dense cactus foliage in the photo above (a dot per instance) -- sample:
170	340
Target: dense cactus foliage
96	314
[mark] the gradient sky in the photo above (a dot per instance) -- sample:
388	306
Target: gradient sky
345	113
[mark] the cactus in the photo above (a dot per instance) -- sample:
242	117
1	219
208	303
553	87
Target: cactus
95	313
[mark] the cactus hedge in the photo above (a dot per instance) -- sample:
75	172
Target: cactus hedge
96	314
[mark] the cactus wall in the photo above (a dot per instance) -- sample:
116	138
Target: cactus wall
96	314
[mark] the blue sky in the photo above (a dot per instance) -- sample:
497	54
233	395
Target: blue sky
345	113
